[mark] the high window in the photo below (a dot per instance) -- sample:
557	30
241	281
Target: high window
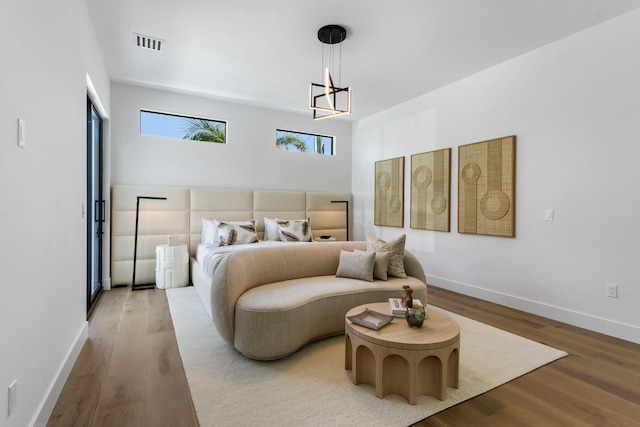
182	127
304	142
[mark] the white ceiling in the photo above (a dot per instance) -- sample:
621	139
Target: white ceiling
266	52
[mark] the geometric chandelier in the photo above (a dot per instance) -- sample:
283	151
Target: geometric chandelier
327	99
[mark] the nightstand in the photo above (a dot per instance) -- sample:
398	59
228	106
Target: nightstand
172	266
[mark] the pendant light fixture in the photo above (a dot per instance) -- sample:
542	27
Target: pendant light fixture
327	99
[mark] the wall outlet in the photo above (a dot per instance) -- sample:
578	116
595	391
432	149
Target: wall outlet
611	290
13	394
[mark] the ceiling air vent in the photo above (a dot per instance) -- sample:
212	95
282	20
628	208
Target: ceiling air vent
147	42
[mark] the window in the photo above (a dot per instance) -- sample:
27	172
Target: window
304	142
182	127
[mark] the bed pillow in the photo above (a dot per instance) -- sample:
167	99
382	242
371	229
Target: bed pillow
356	265
396	247
209	232
294	230
236	232
381	264
271	229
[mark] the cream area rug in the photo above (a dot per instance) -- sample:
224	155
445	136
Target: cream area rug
312	388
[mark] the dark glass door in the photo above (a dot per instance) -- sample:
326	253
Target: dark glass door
95	205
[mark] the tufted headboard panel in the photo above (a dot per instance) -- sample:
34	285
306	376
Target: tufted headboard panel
181	215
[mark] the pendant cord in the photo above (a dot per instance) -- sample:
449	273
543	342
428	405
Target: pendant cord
340	68
330	61
322	69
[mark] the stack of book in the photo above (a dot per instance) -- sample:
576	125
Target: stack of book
396	307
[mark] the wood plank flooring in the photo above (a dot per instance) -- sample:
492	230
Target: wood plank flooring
129	372
598	384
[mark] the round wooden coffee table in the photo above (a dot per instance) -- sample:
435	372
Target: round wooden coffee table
404	360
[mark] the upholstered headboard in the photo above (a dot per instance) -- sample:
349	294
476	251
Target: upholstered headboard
181	216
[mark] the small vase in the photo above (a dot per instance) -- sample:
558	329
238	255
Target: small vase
415	315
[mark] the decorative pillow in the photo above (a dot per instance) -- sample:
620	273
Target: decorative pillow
270	229
356	265
294	230
396	247
381	264
236	233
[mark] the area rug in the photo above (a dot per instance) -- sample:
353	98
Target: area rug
312	388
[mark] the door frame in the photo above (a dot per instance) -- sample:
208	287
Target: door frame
95	207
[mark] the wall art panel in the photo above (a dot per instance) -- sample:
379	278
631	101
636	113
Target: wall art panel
389	193
486	187
430	190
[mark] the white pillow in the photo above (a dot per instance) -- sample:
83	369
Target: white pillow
294	230
209	232
270	229
236	232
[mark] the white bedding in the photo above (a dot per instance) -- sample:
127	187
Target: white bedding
209	256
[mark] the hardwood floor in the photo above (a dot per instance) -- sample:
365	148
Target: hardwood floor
598	384
129	372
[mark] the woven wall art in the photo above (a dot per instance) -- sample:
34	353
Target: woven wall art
486	187
389	193
430	190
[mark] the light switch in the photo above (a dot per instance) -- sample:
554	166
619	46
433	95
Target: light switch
21	126
548	215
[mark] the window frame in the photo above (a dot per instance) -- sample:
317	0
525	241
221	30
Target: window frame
333	141
187	117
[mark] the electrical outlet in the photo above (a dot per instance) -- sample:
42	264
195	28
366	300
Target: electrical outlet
612	290
13	394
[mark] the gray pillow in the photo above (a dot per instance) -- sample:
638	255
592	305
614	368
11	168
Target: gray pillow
396	247
356	265
381	264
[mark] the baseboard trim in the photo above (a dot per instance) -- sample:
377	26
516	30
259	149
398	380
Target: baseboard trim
583	320
41	418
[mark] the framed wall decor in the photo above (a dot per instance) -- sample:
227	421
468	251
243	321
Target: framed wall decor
486	187
389	193
430	190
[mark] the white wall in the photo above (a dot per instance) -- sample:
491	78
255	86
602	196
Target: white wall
248	160
573	106
46	50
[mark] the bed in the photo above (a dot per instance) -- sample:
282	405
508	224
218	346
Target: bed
182	213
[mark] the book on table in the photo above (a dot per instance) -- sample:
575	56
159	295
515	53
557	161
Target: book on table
396	307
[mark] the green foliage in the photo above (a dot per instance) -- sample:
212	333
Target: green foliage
204	130
284	142
319	145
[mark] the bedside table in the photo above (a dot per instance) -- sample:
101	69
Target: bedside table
172	266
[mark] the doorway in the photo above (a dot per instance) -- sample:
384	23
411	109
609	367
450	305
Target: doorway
95	205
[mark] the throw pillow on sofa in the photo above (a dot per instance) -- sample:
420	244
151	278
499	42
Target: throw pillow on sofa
356	265
396	247
381	264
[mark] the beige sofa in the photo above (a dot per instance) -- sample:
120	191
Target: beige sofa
268	305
